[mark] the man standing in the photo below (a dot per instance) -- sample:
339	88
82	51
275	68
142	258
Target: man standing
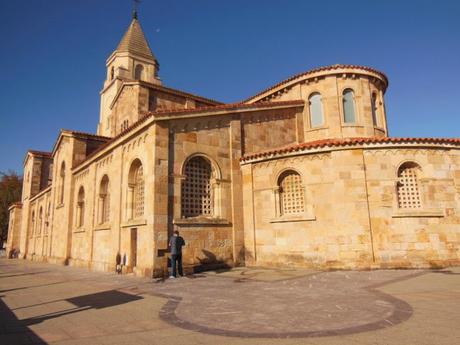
175	244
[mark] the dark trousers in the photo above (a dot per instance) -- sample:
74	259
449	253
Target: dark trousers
176	263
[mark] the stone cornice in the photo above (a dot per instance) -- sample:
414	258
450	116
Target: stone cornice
328	145
150	118
40	193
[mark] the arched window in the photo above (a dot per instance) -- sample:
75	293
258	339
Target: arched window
40	220
81	207
104	200
61	183
124	125
348	102
47	218
112	73
374	108
136	190
196	188
316	110
32	225
139	72
292	200
408	191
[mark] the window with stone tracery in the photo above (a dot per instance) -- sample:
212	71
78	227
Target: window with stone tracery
291	190
196	188
408	191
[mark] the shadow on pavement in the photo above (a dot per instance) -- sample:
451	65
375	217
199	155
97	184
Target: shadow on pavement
16	331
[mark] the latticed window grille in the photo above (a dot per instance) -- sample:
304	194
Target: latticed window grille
407	187
196	188
138	205
291	193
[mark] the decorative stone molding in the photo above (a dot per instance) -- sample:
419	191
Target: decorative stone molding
418	213
200	221
133	223
80	176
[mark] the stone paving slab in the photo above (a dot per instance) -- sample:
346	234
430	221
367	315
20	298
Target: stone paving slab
51	304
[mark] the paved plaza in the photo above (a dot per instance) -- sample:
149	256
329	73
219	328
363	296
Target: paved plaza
51	304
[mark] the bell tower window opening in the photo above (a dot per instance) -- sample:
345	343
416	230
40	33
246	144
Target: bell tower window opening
139	72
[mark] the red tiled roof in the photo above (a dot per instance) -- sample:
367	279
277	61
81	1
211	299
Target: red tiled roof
111	140
348	142
316	70
191	111
230	106
15	204
91	135
182	93
40	153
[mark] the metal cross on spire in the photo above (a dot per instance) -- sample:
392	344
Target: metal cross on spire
135	7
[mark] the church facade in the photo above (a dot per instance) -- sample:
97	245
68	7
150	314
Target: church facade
302	174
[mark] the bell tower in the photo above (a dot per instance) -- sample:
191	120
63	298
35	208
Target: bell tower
132	61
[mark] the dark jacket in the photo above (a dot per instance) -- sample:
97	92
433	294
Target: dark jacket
176	243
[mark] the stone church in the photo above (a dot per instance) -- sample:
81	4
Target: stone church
303	174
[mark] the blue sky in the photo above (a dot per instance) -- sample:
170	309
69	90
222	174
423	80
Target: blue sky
53	57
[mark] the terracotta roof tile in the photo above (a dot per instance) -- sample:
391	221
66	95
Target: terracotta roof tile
91	135
146	116
230	106
315	70
347	142
40	153
182	93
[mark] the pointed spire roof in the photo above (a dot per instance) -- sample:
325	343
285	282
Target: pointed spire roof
134	41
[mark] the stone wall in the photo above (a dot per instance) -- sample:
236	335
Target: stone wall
14	229
351	219
330	84
269	129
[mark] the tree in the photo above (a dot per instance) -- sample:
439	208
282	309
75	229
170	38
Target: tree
10	192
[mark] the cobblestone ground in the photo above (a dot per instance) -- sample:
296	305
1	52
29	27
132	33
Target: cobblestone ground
50	304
